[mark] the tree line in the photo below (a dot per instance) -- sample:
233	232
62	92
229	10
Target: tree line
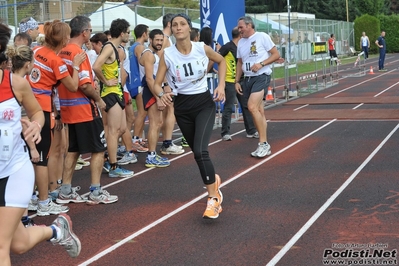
326	9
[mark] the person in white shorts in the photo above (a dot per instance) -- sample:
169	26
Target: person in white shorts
16	170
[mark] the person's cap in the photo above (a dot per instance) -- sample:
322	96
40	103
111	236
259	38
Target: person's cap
183	16
28	24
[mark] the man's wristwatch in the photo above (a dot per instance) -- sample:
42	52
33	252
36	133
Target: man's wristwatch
76	67
262	64
160	95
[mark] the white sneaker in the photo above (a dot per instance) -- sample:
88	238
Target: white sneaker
227	138
177	146
82	162
255	135
72	197
103	197
32	205
67	238
262	150
51	208
172	149
128	158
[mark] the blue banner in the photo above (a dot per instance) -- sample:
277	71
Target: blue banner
221	16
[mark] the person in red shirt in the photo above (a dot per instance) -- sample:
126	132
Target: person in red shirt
331	49
85	126
48	71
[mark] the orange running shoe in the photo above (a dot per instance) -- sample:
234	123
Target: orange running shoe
214	205
138	148
213	208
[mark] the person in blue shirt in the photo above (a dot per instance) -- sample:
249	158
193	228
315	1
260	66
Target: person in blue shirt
380	42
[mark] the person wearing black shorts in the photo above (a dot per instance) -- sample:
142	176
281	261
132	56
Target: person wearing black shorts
331	49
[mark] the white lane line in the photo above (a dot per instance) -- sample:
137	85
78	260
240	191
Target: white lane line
188	204
357	106
303	106
353	86
322	209
378	94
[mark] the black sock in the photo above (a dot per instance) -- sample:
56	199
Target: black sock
167	143
54	236
24	219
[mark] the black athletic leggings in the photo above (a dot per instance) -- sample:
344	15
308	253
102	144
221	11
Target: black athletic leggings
195	115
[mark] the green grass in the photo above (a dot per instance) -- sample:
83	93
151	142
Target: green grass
310	66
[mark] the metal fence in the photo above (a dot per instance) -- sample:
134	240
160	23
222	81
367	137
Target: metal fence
292	35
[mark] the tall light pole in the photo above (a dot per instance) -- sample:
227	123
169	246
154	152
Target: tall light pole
347	11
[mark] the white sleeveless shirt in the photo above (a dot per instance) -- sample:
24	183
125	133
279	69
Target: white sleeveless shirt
13	152
364	41
142	69
186	74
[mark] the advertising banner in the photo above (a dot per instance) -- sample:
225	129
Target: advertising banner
221	16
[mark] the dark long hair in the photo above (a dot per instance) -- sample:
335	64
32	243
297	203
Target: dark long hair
5	35
206	36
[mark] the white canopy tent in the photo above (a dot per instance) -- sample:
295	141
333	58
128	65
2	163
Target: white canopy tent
278	26
159	20
101	21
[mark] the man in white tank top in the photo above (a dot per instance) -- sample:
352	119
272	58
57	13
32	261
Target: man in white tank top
149	62
365	44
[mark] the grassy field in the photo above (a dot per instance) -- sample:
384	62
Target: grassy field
310	66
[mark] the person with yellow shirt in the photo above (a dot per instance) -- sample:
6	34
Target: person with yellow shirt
107	69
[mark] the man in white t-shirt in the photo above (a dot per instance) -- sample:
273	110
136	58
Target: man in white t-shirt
255	53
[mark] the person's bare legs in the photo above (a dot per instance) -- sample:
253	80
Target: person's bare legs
127	136
96	166
15	237
169	121
140	118
116	119
56	159
69	167
155	120
41	179
168	146
255	106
